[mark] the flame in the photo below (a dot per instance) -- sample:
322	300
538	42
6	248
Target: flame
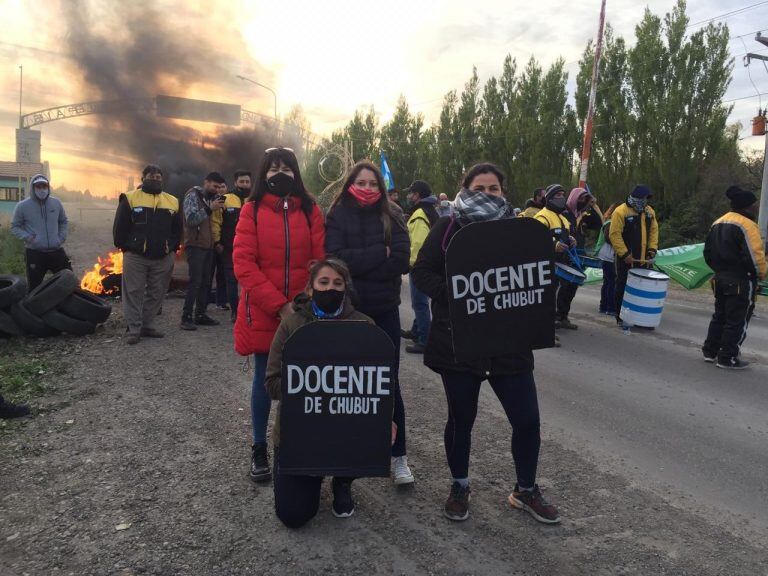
111	264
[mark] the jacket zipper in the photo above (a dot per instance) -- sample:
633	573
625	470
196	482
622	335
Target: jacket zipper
287	246
45	223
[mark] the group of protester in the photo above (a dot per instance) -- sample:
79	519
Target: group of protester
285	264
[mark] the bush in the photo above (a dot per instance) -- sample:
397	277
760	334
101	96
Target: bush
11	253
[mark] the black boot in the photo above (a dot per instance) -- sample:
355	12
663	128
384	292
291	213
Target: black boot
10	410
260	463
187	323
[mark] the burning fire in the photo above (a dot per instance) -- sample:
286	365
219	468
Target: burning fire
93	280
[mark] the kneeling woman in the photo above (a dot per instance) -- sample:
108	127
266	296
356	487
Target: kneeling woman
511	376
326	297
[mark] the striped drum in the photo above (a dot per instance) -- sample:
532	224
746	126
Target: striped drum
644	297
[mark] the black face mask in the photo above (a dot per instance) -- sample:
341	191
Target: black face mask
556	205
243	191
282	185
328	302
152	186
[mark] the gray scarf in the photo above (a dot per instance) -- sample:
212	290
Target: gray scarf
471	206
638	204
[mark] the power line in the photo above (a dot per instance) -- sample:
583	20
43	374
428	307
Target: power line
728	14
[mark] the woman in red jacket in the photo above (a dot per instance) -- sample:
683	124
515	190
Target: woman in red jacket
279	233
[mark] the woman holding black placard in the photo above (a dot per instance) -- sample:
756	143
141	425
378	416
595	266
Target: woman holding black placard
326	298
362	231
511	376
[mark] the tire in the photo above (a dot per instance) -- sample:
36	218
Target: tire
82	305
12	289
8	325
29	323
64	323
52	292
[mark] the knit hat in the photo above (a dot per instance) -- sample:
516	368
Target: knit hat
553	189
739	198
641	191
39	179
419	187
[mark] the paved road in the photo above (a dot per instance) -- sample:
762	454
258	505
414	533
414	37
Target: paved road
646	406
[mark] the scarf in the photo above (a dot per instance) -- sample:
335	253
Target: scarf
363	196
638	204
471	206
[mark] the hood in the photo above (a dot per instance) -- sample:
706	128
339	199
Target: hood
430	200
573	200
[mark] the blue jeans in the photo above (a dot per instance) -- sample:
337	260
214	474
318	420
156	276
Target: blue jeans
260	401
608	290
390	323
232	288
423	318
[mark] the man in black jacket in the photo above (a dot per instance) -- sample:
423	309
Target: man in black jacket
147	229
734	250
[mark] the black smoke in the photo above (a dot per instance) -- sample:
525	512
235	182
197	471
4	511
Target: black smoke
134	50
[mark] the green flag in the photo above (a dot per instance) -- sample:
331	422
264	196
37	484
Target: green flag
683	264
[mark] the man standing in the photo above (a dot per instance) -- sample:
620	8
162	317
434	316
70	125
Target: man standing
40	221
224	223
147	229
199	205
423	217
444	208
734	250
534	204
634	235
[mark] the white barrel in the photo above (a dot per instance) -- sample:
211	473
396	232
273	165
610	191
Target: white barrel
644	297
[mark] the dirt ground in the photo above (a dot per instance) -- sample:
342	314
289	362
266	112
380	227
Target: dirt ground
137	464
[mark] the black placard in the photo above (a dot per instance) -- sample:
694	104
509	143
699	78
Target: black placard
337	400
501	285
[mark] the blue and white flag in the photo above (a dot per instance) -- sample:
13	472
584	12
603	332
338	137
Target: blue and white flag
388	180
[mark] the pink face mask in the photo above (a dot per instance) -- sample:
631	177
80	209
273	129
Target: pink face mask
364	196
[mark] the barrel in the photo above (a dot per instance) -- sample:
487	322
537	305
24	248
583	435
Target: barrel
644	297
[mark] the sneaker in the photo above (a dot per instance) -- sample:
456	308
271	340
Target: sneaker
343	505
407	334
152	333
709	358
401	474
10	410
233	317
415	348
205	320
457	506
222	306
533	502
259	471
557	341
132	339
567	324
732	364
187	323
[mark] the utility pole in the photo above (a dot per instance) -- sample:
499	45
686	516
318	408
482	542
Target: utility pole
21	121
762	219
586	147
244	79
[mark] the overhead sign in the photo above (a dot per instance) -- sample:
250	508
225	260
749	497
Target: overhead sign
501	284
27	145
199	110
337	400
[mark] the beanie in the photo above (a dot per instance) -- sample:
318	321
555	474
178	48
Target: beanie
739	198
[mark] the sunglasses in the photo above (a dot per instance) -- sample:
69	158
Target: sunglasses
268	150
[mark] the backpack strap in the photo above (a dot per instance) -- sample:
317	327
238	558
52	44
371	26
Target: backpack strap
447	235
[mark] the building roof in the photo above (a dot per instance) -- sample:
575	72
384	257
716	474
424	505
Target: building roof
20	169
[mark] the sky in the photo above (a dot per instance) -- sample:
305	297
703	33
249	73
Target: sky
331	57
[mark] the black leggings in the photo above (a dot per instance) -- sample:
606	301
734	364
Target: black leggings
297	498
517	394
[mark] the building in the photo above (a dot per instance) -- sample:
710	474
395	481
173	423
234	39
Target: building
14	182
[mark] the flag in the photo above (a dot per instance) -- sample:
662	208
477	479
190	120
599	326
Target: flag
388	180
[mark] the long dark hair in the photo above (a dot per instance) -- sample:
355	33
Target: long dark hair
382	204
274	157
483	168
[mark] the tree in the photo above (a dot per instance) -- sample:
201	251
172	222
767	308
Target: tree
399	139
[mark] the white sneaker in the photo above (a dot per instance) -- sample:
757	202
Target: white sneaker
401	474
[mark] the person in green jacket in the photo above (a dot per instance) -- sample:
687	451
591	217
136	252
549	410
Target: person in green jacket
327	297
423	217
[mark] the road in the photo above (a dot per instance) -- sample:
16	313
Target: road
137	464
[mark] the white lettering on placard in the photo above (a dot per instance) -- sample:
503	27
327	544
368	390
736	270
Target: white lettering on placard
509	286
340	380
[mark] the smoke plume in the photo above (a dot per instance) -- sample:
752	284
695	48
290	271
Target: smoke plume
133	50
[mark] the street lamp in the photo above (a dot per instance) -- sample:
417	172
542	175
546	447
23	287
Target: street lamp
263	86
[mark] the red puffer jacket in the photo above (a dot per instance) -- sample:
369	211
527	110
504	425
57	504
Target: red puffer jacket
271	256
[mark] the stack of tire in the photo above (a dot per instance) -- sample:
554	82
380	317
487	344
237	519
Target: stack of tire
55	306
